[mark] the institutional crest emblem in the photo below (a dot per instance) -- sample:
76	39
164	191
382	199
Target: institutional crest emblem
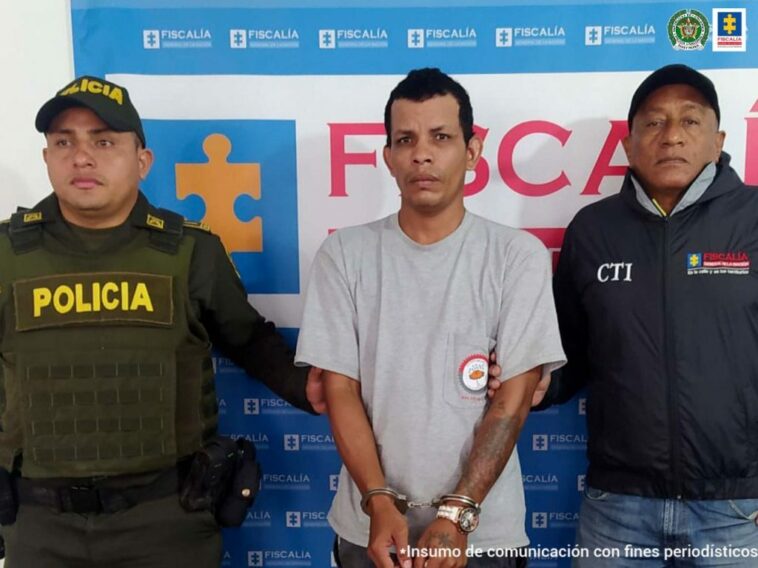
688	29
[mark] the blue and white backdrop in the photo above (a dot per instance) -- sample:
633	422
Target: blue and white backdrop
265	117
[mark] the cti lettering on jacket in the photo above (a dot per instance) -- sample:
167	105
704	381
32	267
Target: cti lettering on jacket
96	298
615	272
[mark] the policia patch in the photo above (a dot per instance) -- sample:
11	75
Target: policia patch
102	297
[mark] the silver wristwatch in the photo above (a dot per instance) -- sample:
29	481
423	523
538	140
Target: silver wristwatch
465	518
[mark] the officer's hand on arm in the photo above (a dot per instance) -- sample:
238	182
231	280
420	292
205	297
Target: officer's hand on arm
442	535
494	372
357	447
314	390
541	390
494	383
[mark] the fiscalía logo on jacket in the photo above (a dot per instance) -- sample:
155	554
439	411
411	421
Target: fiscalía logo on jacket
718	263
473	372
615	272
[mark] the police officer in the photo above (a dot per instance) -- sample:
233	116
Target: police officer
108	310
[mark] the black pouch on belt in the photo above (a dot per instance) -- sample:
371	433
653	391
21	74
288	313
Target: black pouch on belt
243	487
223	478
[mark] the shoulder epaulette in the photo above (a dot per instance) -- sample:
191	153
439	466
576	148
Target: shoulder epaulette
166	229
25	229
197	225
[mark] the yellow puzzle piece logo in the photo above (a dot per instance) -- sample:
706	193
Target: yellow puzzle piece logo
219	184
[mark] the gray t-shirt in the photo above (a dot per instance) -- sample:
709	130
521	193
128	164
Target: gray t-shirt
414	324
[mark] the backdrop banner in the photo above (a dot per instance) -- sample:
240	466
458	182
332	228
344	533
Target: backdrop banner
266	122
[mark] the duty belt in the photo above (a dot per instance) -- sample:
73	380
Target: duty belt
93	495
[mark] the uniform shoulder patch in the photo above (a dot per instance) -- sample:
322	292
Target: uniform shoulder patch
26	218
162	220
197	225
32	216
155	222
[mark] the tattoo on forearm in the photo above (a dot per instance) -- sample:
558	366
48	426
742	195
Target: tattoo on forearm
493	445
440	539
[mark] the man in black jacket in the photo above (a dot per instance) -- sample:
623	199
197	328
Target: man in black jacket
657	301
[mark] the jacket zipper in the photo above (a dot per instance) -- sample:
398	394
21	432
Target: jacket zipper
670	371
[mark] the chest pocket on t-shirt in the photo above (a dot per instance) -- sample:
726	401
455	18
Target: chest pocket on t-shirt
466	366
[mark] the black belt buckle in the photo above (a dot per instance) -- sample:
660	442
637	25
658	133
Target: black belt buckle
83	499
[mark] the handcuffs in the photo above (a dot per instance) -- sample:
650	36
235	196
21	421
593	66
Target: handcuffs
465	518
402	503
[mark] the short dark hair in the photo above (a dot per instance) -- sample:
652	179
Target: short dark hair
423	84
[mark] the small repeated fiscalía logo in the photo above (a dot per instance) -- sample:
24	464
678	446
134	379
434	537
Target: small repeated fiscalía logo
259	439
688	29
554	519
270	405
177	38
305	519
473	372
312	442
619	34
581	482
281	557
540	443
526	36
293	519
334	480
256	518
353	38
419	38
540	482
286	481
718	263
539	520
224	365
559	442
264	38
593	35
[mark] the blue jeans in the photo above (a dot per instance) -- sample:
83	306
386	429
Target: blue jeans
626	530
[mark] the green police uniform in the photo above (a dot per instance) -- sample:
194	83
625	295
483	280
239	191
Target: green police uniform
106	346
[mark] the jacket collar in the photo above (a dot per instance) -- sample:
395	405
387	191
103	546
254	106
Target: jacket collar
51	211
724	181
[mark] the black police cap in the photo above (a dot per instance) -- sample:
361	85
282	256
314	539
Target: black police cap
676	74
107	100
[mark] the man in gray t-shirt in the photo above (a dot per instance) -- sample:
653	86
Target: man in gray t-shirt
401	314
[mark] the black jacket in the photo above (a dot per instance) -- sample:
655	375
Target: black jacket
659	319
